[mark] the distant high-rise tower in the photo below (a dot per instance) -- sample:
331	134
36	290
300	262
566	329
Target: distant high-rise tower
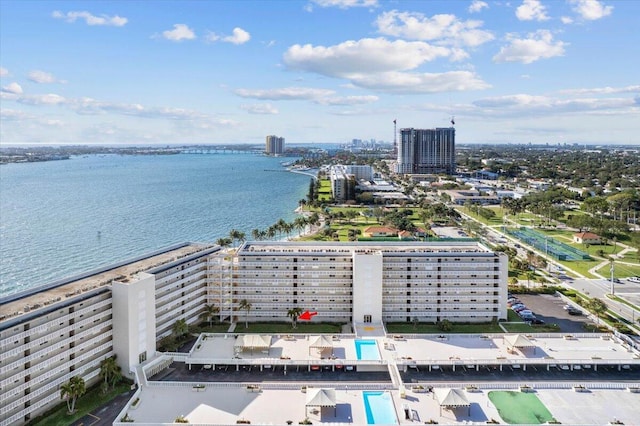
274	145
427	151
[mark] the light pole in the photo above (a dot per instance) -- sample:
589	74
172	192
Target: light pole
612	282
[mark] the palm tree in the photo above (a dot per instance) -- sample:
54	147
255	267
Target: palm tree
210	312
110	371
224	242
245	305
71	391
234	234
255	234
180	328
294	313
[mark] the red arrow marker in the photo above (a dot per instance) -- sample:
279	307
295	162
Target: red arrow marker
306	315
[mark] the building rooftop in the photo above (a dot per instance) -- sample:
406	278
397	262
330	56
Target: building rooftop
48	295
347	248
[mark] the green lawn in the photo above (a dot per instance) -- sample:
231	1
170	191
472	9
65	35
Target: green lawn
620	271
496	220
280	327
523	327
91	400
520	408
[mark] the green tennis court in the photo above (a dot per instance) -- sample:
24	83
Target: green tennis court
520	408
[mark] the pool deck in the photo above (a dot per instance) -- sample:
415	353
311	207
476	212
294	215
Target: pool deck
276	402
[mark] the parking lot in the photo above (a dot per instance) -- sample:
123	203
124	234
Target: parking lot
549	308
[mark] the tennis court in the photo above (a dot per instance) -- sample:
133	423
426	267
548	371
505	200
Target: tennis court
548	245
520	407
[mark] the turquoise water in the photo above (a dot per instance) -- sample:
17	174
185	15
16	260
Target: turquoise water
379	408
367	349
59	218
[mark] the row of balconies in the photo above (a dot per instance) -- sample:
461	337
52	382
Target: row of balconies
57	365
181	283
181	268
55	323
175	294
165	278
51	349
192	301
37	406
390	307
19	347
164	325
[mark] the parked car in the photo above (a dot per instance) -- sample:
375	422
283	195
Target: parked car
537	321
525	313
574	311
634	279
519	308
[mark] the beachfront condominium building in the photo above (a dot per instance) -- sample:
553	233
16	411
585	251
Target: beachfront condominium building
364	282
427	151
65	329
274	145
344	179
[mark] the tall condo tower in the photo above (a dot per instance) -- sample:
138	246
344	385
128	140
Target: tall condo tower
274	145
423	151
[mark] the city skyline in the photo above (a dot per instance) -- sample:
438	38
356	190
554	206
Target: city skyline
318	71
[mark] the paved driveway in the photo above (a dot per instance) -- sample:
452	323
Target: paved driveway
549	308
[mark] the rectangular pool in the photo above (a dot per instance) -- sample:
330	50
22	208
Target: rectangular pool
367	349
379	408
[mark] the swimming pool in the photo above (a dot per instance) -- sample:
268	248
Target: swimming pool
379	408
367	349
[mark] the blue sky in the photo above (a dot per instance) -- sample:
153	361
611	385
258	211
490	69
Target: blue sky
318	71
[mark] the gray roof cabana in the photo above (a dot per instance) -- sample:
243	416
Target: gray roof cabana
518	341
252	342
321	397
320	343
451	399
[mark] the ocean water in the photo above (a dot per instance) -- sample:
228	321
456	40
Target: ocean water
60	218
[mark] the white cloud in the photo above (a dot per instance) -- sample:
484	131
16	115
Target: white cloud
531	10
179	32
566	20
239	36
13	88
4	72
419	83
285	93
547	105
260	109
347	100
380	64
446	29
41	77
47	99
362	56
477	5
538	45
344	4
115	21
591	10
603	90
7	114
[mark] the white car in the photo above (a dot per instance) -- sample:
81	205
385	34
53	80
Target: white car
634	279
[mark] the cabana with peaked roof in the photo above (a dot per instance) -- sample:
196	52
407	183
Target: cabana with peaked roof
518	341
320	343
252	342
321	397
451	399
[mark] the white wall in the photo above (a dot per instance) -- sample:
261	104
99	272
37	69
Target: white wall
367	286
134	323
